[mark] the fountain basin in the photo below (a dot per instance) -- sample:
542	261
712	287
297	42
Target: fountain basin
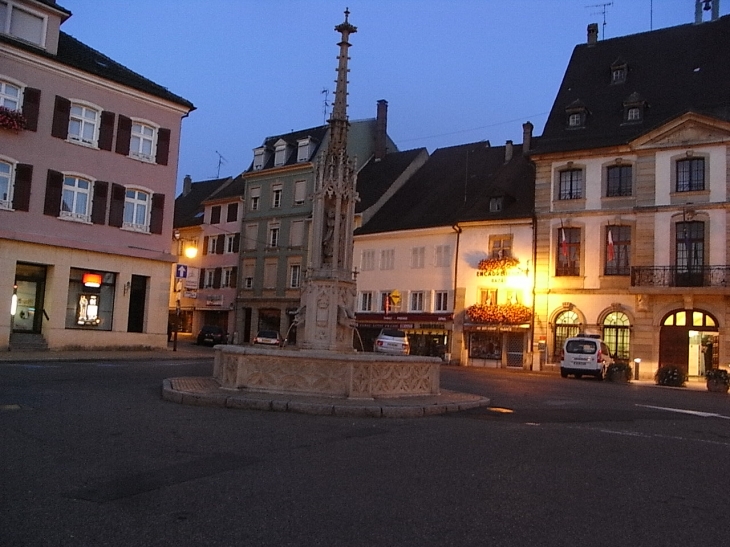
325	373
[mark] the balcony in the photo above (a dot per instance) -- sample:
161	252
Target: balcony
680	276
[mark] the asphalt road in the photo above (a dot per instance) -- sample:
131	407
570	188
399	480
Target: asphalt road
91	455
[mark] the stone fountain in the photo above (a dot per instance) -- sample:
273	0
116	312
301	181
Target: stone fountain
324	363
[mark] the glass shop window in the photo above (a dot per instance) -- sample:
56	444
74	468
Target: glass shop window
90	303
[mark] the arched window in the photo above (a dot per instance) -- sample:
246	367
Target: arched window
567	324
690	318
616	331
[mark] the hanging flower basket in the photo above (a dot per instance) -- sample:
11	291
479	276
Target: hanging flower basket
11	119
505	314
497	266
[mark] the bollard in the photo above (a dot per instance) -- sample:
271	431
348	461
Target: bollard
637	362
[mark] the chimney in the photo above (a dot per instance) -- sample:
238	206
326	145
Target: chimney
381	130
592	34
507	151
187	185
526	137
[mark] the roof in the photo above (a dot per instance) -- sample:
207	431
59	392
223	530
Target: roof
189	207
236	189
670	72
54	5
376	177
76	54
317	134
455	185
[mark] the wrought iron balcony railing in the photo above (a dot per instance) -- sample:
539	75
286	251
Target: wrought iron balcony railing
680	276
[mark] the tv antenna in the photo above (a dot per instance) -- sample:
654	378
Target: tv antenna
603	13
325	105
221	161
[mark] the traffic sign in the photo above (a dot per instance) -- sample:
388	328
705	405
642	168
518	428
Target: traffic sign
181	271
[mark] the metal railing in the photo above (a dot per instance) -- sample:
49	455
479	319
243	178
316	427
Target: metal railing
680	276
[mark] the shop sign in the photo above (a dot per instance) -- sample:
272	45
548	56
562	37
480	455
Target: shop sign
193	277
214	300
190	294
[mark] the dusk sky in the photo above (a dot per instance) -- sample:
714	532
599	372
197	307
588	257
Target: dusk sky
452	71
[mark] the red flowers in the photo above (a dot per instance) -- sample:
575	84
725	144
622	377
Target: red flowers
505	314
11	119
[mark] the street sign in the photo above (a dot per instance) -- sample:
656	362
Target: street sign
181	271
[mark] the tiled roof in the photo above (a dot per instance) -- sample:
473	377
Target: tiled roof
76	54
236	188
670	71
316	133
189	208
456	184
376	177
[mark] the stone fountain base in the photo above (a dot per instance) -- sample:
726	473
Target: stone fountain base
324	373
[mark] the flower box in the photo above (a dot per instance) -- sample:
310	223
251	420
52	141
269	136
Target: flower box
11	119
504	314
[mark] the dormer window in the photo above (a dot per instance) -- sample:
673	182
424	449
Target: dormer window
633	114
634	107
495	204
304	149
576	113
575	120
259	158
23	23
618	72
281	153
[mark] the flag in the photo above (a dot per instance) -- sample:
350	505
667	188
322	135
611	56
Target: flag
609	247
563	243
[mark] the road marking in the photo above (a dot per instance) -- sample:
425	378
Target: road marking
660	436
686	411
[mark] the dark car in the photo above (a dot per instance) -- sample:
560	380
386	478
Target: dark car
211	335
268	338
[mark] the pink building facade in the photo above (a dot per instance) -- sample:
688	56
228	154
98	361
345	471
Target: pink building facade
86	191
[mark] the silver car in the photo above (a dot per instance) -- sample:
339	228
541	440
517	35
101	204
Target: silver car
392	341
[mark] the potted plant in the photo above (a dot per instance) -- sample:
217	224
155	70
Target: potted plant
670	375
618	372
11	119
718	380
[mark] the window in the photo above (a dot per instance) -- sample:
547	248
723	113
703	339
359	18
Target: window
300	192
366	301
618	250
83	124
418	257
215	214
270	275
212	244
568	252
386	302
618	183
633	114
232	215
230	244
304	149
387	259
571	184
616	331
441	301
252	232
417	301
296	233
259	158
22	23
691	175
136	210
567	325
76	198
9	95
575	120
500	246
488	297
6	185
254	199
273	240
618	74
248	282
295	275
689	250
443	256
248	272
142	144
281	153
276	196
495	204
367	261
209	280
227	279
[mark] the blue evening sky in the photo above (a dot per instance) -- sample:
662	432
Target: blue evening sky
452	71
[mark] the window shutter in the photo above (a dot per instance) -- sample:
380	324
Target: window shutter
220	244
205	245
116	207
215	214
124	135
98	204
236	242
234	277
21	192
61	115
106	130
54	186
201	279
157	213
217	278
31	107
232	212
163	146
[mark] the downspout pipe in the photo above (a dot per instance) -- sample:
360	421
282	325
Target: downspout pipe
457	229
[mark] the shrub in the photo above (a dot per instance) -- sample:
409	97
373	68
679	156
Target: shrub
618	372
670	375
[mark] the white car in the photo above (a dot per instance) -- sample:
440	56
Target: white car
585	355
268	338
392	341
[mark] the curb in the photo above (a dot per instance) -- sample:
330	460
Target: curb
199	394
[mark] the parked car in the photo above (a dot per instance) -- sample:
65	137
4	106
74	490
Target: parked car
585	355
211	335
392	341
268	338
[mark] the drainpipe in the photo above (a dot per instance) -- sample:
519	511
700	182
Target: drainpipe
534	280
458	231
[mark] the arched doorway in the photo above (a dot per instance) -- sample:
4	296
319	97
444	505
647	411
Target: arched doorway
688	339
616	332
567	324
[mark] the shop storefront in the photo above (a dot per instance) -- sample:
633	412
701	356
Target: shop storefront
428	334
497	346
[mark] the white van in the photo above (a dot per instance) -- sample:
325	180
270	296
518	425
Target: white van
584	354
